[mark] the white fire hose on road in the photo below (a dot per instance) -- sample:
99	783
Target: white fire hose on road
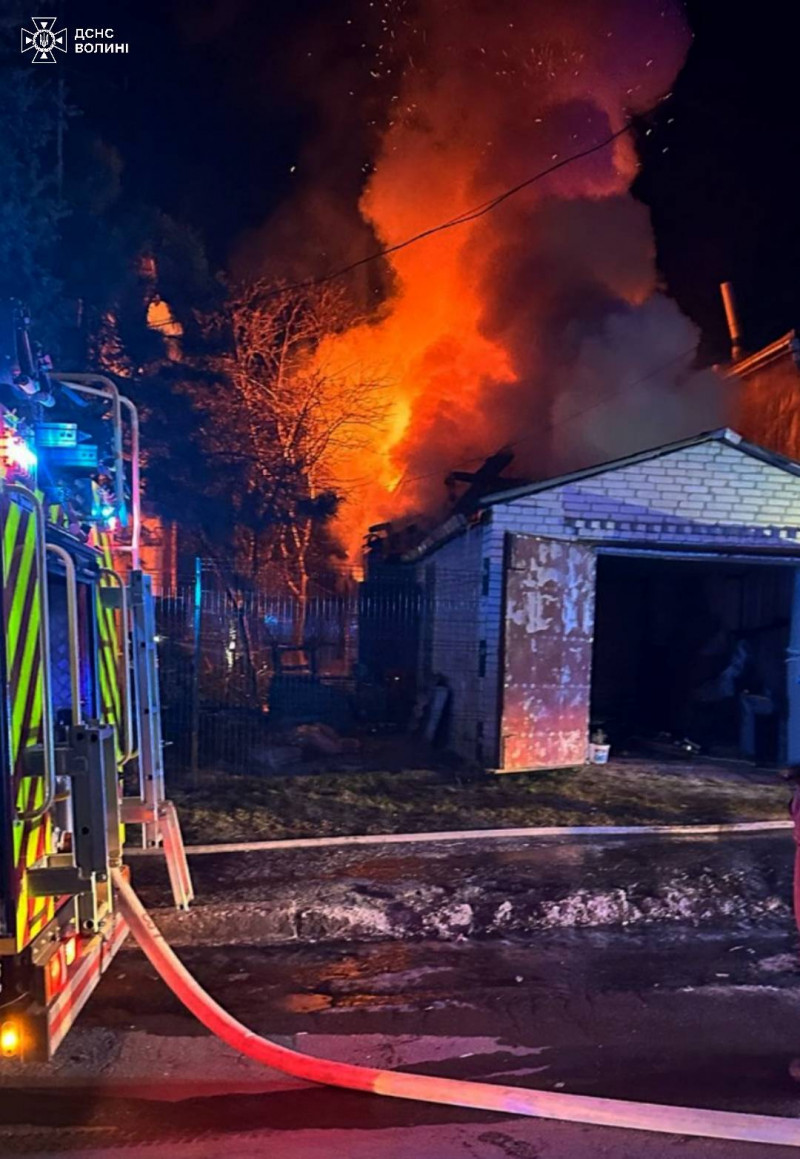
424	1088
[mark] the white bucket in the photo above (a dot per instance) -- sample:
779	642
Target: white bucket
598	754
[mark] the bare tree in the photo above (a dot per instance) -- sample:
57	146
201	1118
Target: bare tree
298	416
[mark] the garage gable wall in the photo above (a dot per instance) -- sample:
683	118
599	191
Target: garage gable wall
452	631
710	492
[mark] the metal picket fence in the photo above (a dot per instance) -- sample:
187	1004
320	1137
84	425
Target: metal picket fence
253	680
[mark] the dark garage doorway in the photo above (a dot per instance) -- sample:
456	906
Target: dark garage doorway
692	649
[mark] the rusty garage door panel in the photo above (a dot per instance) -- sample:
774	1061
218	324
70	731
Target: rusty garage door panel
549	622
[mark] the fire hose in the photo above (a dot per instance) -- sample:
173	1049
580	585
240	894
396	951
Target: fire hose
424	1088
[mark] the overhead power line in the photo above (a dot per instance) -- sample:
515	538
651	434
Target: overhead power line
462	218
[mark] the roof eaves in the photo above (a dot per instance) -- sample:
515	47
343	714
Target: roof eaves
772	458
761	358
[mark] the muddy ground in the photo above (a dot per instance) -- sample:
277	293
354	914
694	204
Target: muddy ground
625	792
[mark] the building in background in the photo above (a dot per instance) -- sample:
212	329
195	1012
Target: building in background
159	549
765	402
768	403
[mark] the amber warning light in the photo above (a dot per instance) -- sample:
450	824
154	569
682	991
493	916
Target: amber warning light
10	1039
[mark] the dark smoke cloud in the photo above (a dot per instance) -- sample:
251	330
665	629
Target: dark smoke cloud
335	68
543	324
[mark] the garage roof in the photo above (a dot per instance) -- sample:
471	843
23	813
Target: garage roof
723	435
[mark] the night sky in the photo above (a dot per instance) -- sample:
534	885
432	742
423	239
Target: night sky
209	116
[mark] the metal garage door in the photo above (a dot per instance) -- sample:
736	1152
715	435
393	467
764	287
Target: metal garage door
547	660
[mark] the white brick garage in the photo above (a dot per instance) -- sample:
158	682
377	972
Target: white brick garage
711	515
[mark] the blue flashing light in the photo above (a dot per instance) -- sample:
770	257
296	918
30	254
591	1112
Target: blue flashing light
21	455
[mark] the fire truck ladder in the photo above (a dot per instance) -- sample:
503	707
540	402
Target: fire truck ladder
156	815
151	810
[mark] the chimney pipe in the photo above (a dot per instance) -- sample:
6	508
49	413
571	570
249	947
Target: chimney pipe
729	302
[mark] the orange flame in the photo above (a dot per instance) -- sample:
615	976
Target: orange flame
483	336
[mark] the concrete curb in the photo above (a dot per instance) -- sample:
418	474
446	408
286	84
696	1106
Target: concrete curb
554	831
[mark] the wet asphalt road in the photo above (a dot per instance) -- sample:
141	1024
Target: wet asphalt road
701	1015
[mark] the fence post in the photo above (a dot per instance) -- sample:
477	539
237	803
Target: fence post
196	623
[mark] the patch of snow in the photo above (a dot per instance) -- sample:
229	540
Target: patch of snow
778	964
449	920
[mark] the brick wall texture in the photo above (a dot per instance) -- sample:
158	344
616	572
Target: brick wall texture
711	494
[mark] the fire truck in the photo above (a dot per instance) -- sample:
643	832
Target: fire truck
81	752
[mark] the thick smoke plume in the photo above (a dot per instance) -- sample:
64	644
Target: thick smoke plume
541	324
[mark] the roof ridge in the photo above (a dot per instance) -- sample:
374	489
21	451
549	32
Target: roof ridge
725	435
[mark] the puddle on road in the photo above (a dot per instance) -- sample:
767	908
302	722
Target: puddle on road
610	1009
373	1000
306	1003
